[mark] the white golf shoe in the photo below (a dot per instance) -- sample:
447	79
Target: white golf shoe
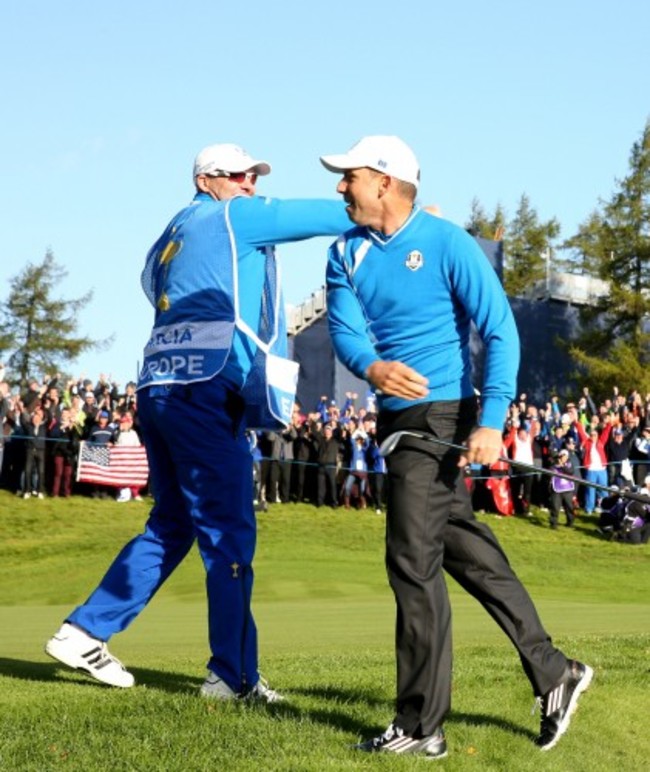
216	688
75	648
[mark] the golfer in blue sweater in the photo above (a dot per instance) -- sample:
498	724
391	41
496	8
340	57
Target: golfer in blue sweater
403	288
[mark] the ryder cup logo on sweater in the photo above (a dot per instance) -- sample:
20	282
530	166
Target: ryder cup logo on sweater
414	260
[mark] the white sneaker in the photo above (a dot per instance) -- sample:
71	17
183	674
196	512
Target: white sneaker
75	648
124	495
217	689
26	495
262	692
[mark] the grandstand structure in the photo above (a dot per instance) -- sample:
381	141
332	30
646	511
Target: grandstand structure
307	313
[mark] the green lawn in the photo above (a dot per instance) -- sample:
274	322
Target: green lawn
325	618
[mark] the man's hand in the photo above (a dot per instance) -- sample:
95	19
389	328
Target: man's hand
397	380
483	447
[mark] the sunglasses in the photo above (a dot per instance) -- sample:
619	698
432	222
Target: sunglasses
237	177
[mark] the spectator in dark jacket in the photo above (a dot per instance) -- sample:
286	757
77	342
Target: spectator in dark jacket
287	439
304	455
619	470
35	432
66	436
101	433
327	455
270	446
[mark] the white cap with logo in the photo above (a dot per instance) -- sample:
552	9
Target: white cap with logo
228	158
384	153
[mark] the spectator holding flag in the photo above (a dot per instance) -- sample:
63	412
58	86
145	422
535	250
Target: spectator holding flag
128	437
101	433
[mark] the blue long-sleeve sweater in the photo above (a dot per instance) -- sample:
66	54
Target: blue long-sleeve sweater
411	297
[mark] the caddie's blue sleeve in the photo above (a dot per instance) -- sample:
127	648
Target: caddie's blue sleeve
262	221
347	324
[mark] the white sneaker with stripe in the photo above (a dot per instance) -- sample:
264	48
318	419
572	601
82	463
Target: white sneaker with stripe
75	648
560	703
396	740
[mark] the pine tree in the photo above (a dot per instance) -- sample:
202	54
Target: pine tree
614	243
480	224
38	331
528	245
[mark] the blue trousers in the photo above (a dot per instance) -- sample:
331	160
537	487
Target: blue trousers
600	478
201	477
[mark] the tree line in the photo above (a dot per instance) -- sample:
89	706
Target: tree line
39	332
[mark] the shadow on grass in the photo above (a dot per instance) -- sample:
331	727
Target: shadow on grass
336	715
485	720
175	683
341	720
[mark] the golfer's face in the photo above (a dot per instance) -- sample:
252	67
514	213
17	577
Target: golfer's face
360	191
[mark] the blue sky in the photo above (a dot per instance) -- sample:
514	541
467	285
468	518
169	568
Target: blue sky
105	106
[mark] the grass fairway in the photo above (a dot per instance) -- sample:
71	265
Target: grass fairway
325	618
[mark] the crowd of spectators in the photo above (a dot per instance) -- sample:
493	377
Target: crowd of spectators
605	443
330	456
42	429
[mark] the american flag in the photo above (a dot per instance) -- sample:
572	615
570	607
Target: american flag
119	465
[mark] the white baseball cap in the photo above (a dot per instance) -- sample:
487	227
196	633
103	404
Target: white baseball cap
228	158
383	153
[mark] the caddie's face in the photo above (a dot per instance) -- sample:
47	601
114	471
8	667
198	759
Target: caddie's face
361	191
224	188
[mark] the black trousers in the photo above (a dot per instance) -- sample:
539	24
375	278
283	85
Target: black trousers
327	486
559	500
34	460
430	526
270	471
284	484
